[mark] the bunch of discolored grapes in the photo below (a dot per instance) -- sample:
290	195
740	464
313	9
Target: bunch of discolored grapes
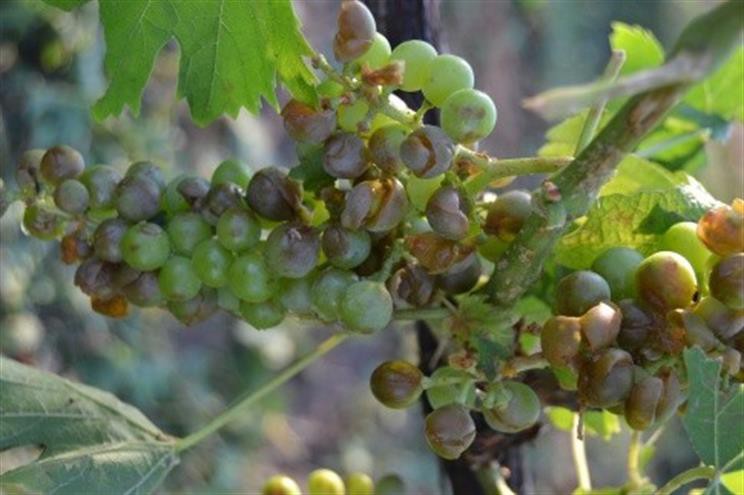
328	482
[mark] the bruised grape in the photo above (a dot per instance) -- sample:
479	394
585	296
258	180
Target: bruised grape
71	196
28	173
560	340
462	276
196	309
238	229
606	379
640	408
725	322
617	266
144	291
600	325
60	163
427	151
306	124
94	278
147	170
665	281
694	329
137	198
344	156
579	291
447	212
292	250
107	239
43	222
727	281
722	229
507	214
219	199
521	411
345	248
635	327
396	384
468	115
356	31
101	181
74	248
377	205
273	195
449	431
192	190
410	286
383	148
366	307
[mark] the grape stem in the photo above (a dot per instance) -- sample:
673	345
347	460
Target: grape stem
519	364
578	450
239	405
693	474
635	478
422	314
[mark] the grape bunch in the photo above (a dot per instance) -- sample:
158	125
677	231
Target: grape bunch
328	482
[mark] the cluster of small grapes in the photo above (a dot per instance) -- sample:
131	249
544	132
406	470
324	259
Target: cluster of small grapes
328	482
623	325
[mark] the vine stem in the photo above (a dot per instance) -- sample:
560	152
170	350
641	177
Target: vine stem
249	398
422	314
578	449
696	473
635	478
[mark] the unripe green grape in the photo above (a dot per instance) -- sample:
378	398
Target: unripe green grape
360	484
273	195
238	229
101	182
600	325
396	384
383	148
390	484
219	199
356	31
172	201
345	248
468	115
725	322
43	222
519	413
344	156
350	115
560	340
579	291
366	307
411	286
722	229
145	246
606	380
507	214
263	315
71	196
449	431
196	309
137	198
294	294
28	173
427	151
328	88
618	266
144	291
447	212
280	484
325	482
60	163
727	281
94	278
250	278
228	301
448	73
178	280
327	291
420	190
292	250
233	171
211	262
418	57
666	281
640	407
186	230
462	276
376	56
147	170
107	239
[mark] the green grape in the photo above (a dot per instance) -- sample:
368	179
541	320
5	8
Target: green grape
71	196
468	115
390	484
383	148
325	482
144	291
579	291
682	238
344	156
178	280
346	248
418	57
328	88
172	201
238	229
211	262
420	190
60	163
727	281
366	307
250	278
376	56
520	412
360	484
294	294
280	484
327	291
260	316
147	170
396	384
507	214
145	246
233	171
186	230
43	222
617	266
196	309
449	431
227	300
107	239
448	74
292	250
137	198
101	181
665	281
350	115
356	31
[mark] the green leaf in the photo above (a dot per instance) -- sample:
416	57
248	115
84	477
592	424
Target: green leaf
90	438
602	424
634	220
66	4
721	93
635	174
310	170
562	138
642	49
714	419
734	481
231	53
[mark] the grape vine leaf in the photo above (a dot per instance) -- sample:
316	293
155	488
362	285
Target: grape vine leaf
642	49
721	94
90	439
232	52
714	419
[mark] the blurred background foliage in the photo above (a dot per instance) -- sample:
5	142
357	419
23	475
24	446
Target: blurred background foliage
50	74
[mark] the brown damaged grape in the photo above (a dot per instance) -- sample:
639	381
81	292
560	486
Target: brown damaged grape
722	228
292	250
356	31
462	276
383	147
60	163
306	124
560	340
435	253
727	281
411	286
579	291
601	325
427	152
274	195
449	431
725	322
507	214
344	156
376	205
640	407
666	281
396	384
520	412
606	379
447	212
635	326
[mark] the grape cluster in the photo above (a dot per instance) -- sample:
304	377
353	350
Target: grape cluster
328	482
621	327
